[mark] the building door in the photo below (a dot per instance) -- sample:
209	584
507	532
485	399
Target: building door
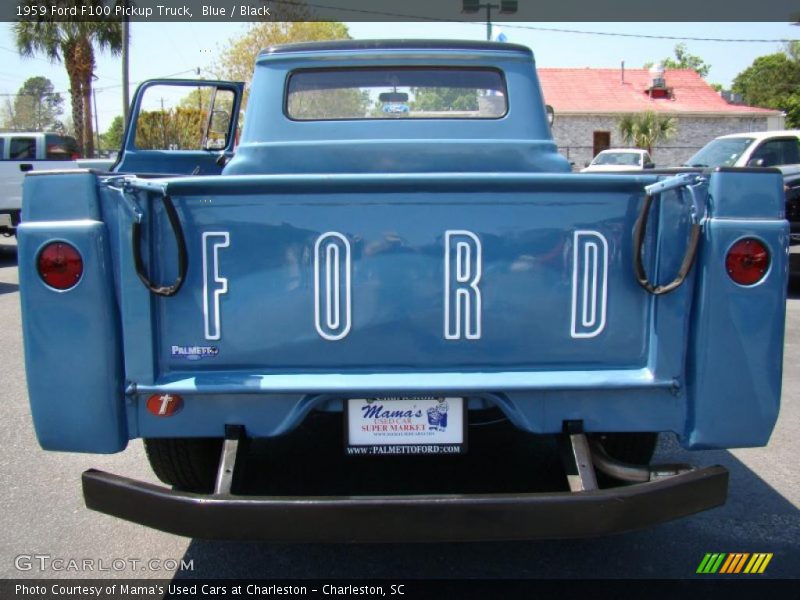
601	140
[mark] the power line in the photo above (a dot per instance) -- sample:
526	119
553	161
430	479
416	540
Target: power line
43	94
652	37
119	85
535	27
107	87
50	62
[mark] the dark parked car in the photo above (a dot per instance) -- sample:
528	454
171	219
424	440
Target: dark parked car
792	187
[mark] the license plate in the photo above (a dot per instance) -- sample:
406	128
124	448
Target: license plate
405	426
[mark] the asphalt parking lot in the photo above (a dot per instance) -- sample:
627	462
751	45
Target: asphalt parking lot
43	512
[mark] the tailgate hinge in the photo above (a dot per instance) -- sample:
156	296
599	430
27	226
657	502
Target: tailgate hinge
122	185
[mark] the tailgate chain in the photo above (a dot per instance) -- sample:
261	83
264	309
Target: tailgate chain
680	181
180	242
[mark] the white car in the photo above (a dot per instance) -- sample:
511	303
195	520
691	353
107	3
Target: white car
620	159
22	152
753	149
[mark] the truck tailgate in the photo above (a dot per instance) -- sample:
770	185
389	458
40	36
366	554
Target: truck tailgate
434	273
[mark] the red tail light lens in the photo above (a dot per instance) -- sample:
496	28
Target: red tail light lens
747	261
60	265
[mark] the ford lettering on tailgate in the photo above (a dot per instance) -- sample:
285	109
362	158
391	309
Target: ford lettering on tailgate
461	291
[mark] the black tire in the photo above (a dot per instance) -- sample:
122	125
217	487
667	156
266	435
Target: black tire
188	464
633	448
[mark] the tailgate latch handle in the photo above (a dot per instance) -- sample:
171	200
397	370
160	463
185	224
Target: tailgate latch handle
686	180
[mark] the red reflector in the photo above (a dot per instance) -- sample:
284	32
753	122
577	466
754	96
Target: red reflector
60	265
747	261
164	405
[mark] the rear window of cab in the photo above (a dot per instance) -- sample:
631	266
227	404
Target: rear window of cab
395	93
60	147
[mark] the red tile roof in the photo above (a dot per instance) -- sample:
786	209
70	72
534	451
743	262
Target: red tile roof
602	91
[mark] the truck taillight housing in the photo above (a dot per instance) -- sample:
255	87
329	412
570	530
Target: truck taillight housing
60	265
747	261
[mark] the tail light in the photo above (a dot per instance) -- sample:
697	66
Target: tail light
747	261
60	265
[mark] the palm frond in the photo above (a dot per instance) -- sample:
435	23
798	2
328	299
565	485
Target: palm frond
644	130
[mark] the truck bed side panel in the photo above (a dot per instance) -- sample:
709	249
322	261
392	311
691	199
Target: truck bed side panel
736	353
72	340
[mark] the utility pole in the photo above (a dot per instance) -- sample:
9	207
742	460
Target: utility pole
505	7
96	126
164	145
126	101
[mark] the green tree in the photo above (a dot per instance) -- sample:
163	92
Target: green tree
72	43
35	107
441	99
792	50
179	128
684	60
238	57
329	104
112	138
772	81
644	130
198	98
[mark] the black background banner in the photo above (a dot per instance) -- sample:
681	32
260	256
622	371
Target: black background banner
401	10
730	588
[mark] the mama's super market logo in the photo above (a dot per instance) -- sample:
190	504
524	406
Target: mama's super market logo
723	563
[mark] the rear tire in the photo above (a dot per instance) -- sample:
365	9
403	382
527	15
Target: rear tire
188	464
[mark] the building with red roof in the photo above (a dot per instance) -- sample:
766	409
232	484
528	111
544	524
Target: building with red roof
590	102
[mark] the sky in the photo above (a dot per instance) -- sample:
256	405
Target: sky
179	49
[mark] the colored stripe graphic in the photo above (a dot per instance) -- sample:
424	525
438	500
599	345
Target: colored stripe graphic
703	563
728	562
711	563
758	563
741	562
734	563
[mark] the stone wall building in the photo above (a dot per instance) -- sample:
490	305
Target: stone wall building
589	104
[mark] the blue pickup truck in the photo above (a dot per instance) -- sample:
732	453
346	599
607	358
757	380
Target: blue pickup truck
395	241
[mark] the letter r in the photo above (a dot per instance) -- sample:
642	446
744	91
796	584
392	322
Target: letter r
462	297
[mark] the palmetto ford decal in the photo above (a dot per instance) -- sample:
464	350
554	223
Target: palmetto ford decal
462	255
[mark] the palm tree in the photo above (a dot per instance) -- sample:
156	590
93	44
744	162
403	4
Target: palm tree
73	43
644	130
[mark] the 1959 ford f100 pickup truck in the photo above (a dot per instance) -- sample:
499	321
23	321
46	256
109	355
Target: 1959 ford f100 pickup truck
396	244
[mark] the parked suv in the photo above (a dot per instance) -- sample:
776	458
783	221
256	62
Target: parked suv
754	149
